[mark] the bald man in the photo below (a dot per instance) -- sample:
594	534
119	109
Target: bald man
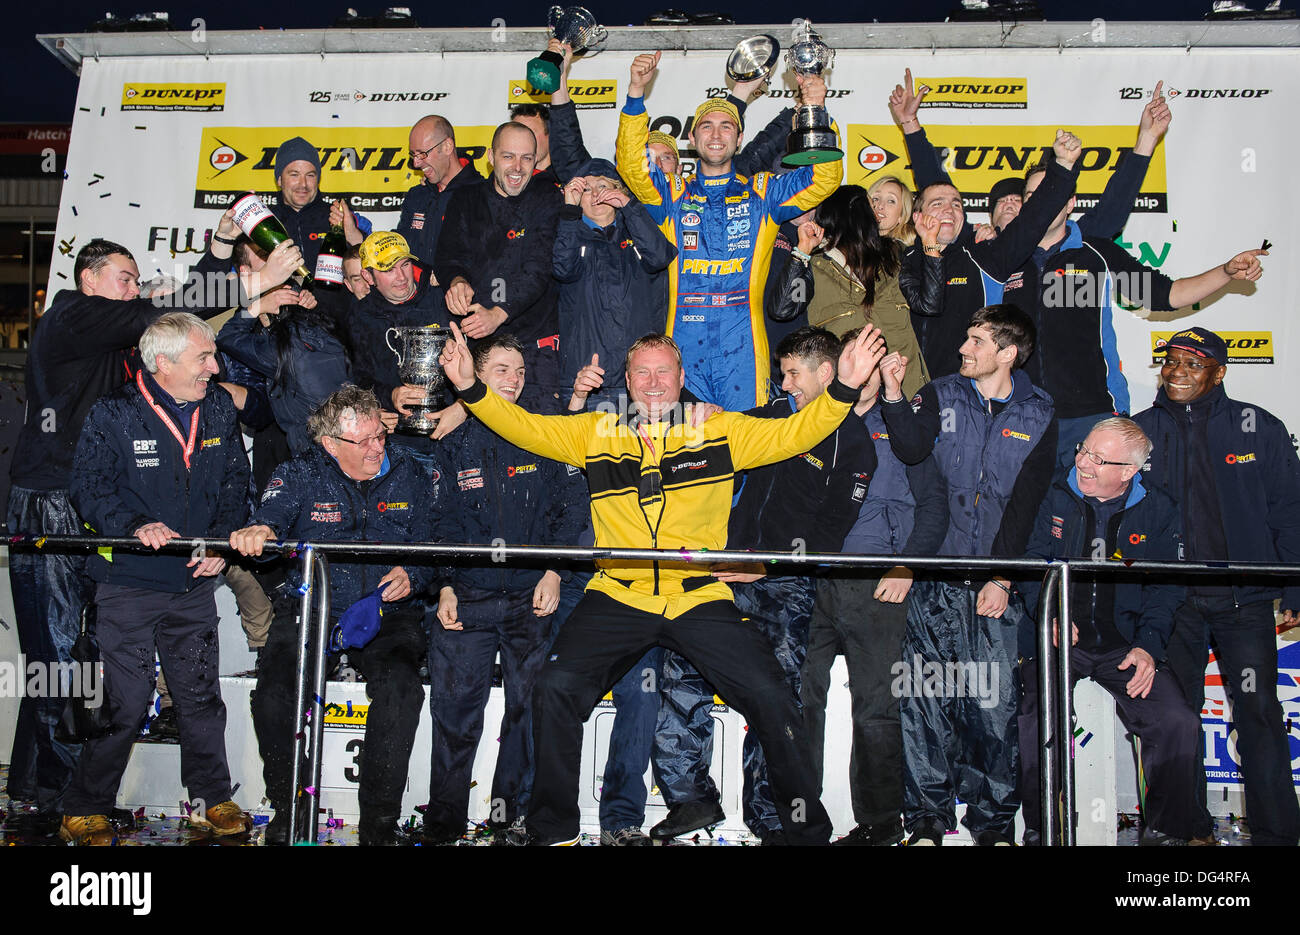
432	152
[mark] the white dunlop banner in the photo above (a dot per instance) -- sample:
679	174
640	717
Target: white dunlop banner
157	179
160	146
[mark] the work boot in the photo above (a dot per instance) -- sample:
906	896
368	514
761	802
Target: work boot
87	830
222	819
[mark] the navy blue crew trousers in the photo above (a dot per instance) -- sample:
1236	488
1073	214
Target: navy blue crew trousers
460	678
391	665
779	609
603	639
183	627
49	590
1245	644
1169	730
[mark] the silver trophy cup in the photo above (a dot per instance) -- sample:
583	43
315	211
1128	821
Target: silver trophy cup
418	365
811	138
574	25
754	57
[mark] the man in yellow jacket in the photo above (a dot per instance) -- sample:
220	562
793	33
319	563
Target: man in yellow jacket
658	482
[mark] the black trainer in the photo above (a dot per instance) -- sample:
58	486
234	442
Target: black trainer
691	816
434	835
928	833
885	834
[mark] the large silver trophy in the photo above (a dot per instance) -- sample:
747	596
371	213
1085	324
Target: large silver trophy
754	57
811	138
418	365
574	25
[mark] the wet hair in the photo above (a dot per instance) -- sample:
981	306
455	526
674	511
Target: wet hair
244	250
850	225
652	340
483	350
815	346
1008	325
169	335
94	256
349	401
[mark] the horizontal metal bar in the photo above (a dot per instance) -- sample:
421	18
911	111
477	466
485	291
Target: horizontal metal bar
503	552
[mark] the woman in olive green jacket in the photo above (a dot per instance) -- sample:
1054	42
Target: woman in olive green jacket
855	277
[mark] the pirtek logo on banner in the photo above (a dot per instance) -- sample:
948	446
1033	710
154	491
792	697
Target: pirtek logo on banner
586	95
976	93
173	97
978	157
369	166
1244	347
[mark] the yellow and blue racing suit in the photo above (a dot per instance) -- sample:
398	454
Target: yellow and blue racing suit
723	227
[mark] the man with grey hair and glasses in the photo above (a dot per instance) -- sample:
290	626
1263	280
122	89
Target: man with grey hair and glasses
349	486
161	458
1100	509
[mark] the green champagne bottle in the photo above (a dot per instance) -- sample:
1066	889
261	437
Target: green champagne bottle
329	262
263	228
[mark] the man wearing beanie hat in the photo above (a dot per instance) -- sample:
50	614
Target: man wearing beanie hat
305	214
608	251
723	224
1237	474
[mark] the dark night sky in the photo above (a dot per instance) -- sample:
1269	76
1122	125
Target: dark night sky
38	88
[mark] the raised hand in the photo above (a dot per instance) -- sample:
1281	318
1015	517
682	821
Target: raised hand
1245	265
1067	147
644	67
904	103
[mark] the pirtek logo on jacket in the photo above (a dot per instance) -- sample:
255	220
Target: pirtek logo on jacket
514	469
1137	537
714	267
515	235
1008	433
385	505
1240	459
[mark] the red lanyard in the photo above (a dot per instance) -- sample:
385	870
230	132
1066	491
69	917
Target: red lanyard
646	438
187	447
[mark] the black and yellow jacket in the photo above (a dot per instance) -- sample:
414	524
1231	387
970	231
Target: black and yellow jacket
661	485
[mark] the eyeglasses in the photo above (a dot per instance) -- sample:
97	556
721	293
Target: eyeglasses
1195	366
376	441
424	154
1094	457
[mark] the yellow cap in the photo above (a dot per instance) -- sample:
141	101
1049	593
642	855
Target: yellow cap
663	139
722	104
383	249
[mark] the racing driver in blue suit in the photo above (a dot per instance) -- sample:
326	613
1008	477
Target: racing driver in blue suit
723	225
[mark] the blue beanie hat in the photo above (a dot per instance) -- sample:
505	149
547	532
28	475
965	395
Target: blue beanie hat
293	150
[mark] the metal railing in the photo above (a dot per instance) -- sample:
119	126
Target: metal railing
1056	734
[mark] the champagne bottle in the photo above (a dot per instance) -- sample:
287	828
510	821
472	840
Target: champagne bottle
329	262
263	228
